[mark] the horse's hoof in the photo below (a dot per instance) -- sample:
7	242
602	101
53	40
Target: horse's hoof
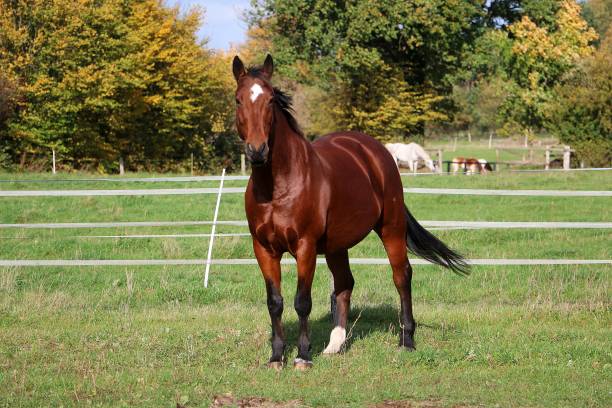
302	365
276	365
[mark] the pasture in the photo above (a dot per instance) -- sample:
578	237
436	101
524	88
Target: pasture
153	336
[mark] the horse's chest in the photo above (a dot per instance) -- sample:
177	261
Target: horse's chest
277	234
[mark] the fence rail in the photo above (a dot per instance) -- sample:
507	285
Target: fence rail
183	179
285	261
240	261
243	223
241	190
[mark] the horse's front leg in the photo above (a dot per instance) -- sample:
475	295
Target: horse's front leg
306	257
270	268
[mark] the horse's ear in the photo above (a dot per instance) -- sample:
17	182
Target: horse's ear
238	68
268	66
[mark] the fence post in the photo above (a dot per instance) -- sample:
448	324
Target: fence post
469	136
121	166
455	145
497	155
212	232
440	161
242	165
53	161
415	164
547	163
566	158
490	139
192	164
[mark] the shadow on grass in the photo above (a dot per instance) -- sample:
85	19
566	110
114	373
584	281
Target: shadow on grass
364	321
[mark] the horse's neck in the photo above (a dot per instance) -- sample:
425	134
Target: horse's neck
290	162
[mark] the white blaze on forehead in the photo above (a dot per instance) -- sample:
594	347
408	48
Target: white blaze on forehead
256	90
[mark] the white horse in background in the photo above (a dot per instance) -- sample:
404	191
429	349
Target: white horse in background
409	155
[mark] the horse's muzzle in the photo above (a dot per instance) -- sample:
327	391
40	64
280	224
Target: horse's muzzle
257	156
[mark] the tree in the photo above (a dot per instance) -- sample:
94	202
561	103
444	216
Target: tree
599	15
581	112
539	60
109	78
373	58
8	103
501	13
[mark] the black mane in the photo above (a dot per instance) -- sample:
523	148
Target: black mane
281	99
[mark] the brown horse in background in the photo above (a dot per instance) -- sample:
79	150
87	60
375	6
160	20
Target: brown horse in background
322	198
470	165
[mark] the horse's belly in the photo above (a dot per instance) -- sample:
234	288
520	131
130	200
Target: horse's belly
337	240
350	221
357	169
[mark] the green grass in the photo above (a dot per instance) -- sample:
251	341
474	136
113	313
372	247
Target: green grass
153	336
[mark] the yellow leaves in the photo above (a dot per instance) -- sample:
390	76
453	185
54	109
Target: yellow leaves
531	40
166	29
534	80
401	112
99	76
219	124
574	36
566	45
153	100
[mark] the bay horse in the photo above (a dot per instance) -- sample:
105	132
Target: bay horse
321	198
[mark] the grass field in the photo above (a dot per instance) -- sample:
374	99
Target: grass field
153	336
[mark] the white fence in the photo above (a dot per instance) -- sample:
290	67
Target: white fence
243	223
286	261
183	179
239	190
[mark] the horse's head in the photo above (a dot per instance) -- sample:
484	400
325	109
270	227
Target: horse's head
254	108
485	167
431	165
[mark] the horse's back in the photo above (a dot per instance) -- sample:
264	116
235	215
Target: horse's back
362	176
363	156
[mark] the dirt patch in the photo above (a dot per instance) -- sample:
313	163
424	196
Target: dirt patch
252	402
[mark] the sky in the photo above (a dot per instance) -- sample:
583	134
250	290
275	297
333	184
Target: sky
222	22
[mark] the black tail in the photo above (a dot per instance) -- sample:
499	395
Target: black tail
427	246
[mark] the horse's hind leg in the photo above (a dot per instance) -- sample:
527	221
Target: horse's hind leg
338	264
394	240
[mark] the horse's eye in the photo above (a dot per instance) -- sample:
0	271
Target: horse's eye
237	101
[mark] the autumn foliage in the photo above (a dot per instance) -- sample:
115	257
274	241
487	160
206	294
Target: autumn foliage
96	80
